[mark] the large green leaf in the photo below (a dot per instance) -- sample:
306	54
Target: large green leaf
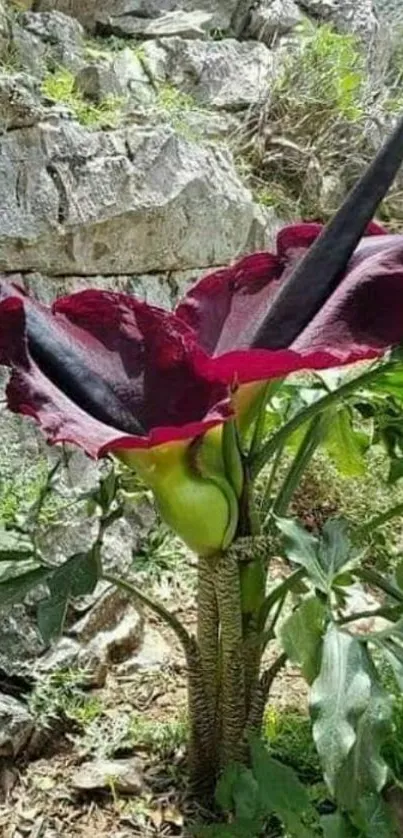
337	826
322	558
301	636
78	576
237	791
280	790
365	771
351	714
345	444
390	642
15	589
395	470
334	546
51	614
373	818
339	697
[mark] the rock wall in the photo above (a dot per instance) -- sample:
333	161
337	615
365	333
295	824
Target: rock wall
115	154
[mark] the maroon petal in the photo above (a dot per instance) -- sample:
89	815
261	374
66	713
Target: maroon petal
139	360
359	321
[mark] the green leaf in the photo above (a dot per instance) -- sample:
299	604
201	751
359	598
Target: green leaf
78	576
351	714
51	614
336	826
280	790
334	546
107	490
15	589
237	790
395	470
234	830
322	558
339	697
302	548
345	445
373	818
399	575
301	636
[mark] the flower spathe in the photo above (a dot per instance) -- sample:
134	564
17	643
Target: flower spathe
112	374
359	321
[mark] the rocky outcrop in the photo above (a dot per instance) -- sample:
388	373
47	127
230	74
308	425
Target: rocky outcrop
127	201
112	15
16	726
225	75
355	16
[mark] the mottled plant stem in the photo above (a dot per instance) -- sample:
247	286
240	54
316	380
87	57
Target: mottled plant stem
207	633
232	692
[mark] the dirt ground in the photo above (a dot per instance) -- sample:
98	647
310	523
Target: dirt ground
38	796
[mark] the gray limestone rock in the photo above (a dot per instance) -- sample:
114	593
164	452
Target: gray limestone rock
218	74
124	202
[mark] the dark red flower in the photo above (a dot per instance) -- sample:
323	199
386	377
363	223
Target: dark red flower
359	320
105	371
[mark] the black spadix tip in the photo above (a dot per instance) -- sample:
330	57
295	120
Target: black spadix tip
318	273
62	364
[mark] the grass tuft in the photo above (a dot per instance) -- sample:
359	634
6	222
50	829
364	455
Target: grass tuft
60	87
307	142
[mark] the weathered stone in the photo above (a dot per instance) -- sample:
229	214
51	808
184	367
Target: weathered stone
154	653
272	18
124	202
19	642
105	615
184	24
221	74
4	30
112	630
16	726
121	76
353	16
122	775
20	102
67	653
390	10
41	42
100	13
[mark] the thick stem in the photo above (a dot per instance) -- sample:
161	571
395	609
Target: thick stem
232	698
207	639
202	744
255	718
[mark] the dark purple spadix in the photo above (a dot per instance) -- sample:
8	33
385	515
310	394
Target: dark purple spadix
318	273
62	363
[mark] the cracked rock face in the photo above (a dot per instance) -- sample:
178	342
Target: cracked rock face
110	14
124	202
224	75
356	16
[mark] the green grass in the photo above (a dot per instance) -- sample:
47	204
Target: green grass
314	124
289	737
109	734
324	492
160	555
61	697
174	106
60	87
